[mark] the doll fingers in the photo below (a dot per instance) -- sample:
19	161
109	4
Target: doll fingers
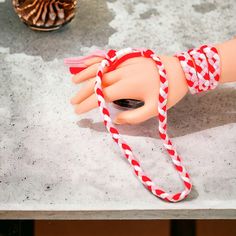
92	60
111	93
108	79
134	116
87	73
84	92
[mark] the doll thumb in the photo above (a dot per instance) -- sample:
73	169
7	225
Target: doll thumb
134	116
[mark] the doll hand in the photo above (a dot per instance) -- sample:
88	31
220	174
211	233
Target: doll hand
136	78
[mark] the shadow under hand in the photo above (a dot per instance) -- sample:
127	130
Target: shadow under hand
192	114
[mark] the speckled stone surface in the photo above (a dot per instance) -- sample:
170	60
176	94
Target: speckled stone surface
54	164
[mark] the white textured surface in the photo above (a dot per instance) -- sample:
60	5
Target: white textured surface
54	164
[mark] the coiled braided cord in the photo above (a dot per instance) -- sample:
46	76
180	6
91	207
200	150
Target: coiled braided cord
202	71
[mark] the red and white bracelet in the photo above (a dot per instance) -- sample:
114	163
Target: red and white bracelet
202	70
201	67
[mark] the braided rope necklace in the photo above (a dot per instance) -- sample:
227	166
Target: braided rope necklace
202	70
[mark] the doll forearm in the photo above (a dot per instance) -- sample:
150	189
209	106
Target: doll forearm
227	52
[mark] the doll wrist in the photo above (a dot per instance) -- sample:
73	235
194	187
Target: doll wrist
178	86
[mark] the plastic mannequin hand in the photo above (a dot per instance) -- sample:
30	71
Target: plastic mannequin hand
136	78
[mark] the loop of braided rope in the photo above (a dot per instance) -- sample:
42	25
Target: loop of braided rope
112	59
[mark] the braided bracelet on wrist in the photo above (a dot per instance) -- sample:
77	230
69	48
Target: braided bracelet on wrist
201	67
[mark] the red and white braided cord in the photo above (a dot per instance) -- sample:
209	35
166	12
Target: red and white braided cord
113	58
201	67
